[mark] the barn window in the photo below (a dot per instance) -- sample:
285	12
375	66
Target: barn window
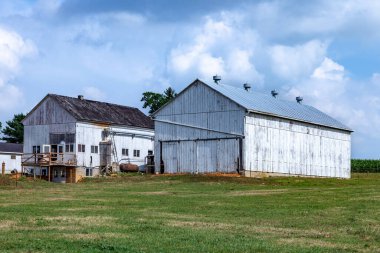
136	153
13	157
69	148
94	149
81	148
124	151
88	172
36	149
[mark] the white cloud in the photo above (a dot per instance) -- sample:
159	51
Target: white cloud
330	90
93	93
13	48
220	47
329	70
295	62
10	97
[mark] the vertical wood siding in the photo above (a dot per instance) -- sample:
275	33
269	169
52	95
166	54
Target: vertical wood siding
284	146
199	150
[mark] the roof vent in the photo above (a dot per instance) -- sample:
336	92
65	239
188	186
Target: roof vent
247	86
299	99
80	97
274	93
217	79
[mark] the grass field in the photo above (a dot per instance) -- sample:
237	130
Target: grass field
138	213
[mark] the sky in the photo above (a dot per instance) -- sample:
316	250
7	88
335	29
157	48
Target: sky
325	51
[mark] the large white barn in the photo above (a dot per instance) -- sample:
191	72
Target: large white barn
220	128
67	138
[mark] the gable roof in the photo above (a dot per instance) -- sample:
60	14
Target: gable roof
102	112
268	105
11	147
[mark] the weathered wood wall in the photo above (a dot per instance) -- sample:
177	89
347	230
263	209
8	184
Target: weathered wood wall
283	146
204	125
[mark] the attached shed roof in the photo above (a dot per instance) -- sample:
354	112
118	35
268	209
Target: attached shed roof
267	104
102	112
11	147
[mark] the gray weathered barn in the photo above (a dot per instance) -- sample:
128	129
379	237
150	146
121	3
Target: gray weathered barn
68	138
220	128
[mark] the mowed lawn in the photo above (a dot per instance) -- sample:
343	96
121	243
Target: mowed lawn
147	213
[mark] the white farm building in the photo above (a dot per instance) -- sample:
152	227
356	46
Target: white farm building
218	128
68	138
10	156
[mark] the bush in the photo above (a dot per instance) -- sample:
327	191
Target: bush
365	166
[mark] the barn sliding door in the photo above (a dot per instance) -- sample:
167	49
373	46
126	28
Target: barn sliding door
201	156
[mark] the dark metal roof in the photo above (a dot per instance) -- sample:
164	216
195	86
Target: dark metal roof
11	147
95	111
267	104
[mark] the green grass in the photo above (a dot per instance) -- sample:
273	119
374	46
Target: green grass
137	213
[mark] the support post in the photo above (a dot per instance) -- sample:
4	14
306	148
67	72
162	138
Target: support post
3	168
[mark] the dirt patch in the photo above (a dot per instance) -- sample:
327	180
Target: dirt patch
5	224
155	193
258	192
83	221
307	242
275	231
93	236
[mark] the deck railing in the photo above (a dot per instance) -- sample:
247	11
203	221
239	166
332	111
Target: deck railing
49	159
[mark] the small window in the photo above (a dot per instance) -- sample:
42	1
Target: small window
13	157
136	153
124	152
44	172
69	148
94	149
81	148
55	173
36	149
150	152
62	173
88	172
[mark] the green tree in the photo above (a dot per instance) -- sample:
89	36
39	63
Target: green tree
156	100
14	130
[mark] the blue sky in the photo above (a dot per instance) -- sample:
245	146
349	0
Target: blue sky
326	51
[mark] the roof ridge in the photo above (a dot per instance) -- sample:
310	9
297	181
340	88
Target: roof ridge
96	101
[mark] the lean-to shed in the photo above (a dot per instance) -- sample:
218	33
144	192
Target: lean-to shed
220	128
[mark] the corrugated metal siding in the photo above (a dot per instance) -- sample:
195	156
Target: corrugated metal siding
284	146
199	106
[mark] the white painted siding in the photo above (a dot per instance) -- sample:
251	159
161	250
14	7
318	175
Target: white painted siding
91	134
283	146
202	122
10	164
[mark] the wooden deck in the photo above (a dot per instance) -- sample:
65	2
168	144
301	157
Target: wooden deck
49	159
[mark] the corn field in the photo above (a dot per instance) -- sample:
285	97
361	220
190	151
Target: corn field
364	166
